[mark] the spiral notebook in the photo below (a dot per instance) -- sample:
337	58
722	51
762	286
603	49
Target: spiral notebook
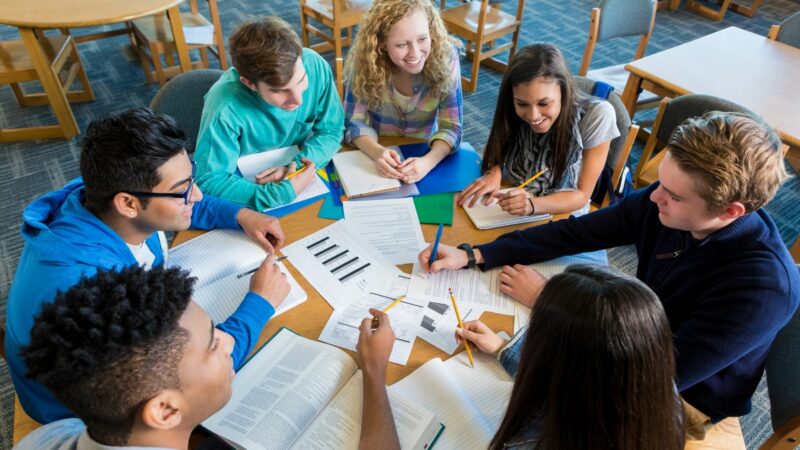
492	216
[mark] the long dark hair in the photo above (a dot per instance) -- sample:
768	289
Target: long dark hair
597	367
533	61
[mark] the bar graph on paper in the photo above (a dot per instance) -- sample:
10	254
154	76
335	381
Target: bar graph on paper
339	266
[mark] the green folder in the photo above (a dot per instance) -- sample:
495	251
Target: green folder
435	208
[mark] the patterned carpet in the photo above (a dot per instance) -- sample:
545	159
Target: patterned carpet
28	170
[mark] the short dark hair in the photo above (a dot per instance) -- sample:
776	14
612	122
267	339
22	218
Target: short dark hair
110	343
124	151
266	50
597	367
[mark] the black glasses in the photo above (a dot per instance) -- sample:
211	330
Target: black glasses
185	195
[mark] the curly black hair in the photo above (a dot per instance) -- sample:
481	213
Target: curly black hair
124	151
110	343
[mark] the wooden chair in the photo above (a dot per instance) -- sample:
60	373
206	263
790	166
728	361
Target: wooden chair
338	16
672	113
724	5
16	67
672	5
23	424
482	24
617	19
152	38
620	148
788	31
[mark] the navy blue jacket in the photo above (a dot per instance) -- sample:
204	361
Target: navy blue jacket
726	297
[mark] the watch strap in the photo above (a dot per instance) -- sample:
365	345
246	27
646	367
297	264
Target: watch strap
471	263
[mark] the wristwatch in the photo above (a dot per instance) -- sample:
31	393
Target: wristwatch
470	255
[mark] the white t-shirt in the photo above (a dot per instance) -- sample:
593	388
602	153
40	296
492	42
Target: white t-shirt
144	256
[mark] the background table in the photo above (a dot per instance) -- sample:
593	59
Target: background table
734	64
32	17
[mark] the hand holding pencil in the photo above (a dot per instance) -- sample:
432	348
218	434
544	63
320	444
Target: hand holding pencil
516	201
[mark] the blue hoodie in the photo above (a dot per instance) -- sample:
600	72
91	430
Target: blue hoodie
64	242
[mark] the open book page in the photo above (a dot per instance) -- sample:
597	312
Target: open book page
471	288
221	298
391	226
342	327
217	254
279	392
359	175
217	259
553	267
470	402
338	426
341	267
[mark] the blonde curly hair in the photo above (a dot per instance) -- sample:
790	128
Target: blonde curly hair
368	69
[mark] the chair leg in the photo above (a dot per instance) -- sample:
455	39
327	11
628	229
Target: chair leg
159	69
337	43
303	26
204	57
472	85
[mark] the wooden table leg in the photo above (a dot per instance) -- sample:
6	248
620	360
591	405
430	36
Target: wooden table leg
51	84
631	93
176	24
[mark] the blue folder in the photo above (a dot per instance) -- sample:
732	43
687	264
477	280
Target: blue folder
453	174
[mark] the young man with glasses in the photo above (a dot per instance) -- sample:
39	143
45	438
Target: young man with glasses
137	182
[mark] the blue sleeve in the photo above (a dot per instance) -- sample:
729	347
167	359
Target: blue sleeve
245	326
510	355
212	212
611	226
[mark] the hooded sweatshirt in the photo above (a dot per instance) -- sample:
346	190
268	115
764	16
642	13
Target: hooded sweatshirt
64	242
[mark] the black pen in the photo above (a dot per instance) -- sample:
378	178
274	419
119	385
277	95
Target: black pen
241	275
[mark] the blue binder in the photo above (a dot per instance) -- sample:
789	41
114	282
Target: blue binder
453	174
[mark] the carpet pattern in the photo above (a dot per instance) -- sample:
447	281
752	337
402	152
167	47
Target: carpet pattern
28	170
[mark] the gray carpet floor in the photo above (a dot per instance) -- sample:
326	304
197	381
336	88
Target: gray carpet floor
28	170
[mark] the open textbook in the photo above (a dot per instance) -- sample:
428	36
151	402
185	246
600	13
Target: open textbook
302	394
493	216
470	401
218	259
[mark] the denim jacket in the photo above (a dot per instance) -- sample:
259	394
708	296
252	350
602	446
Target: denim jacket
509	356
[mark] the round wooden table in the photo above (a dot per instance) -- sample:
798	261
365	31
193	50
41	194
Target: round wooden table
32	17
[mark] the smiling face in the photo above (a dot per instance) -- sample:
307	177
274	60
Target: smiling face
287	97
680	206
165	213
409	43
538	103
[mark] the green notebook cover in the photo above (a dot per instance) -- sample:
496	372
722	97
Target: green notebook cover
435	208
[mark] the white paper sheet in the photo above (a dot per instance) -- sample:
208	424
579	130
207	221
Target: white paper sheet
340	266
359	176
253	164
315	188
342	327
471	287
391	226
438	322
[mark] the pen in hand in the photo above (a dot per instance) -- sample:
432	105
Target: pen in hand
252	271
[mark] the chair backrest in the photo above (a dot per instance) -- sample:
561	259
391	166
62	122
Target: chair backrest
182	98
783	366
619	18
625	18
789	32
692	105
623	118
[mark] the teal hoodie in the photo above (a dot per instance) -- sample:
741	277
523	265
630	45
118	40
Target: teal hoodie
64	242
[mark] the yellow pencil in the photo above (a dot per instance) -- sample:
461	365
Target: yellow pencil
461	325
289	177
530	180
388	307
398	300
